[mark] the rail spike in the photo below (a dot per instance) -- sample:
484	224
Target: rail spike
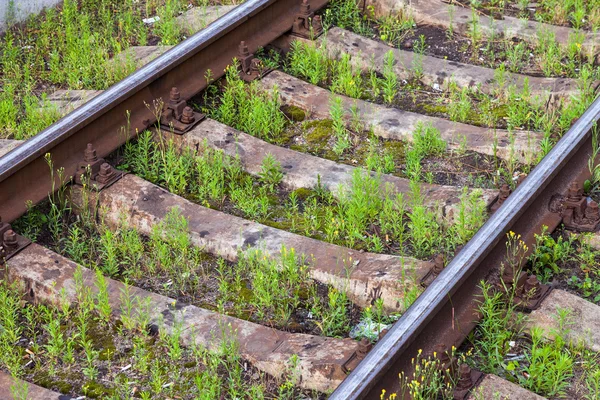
580	213
251	68
307	25
177	117
10	244
95	172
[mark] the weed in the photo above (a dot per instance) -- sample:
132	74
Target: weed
247	108
389	83
271	172
450	29
427	141
347	15
308	61
549	254
429	380
472	213
459	106
475	28
334	316
69	48
345	80
516	55
417	64
166	27
375	161
336	111
550	367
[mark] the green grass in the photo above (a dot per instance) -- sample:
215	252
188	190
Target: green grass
247	108
210	178
275	291
500	344
579	14
71	48
78	351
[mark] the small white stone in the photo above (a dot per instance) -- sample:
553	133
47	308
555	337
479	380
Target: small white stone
151	20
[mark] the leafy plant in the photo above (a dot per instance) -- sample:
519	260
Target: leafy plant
390	79
336	112
271	172
550	254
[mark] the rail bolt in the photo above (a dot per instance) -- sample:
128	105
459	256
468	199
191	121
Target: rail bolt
10	239
174	95
363	347
305	8
243	49
187	117
464	381
105	169
89	155
438	264
532	287
442	353
575	192
592	212
504	192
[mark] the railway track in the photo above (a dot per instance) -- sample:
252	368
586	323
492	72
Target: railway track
353	128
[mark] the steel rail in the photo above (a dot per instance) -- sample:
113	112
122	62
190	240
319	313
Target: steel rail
109	119
438	316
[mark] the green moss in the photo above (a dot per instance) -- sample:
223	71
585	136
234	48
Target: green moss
299	148
245	294
94	390
63	386
501	111
282	225
57	383
303	193
296	114
397	149
317	133
435	109
103	342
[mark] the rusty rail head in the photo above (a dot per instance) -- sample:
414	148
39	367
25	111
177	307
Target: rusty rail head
446	311
103	121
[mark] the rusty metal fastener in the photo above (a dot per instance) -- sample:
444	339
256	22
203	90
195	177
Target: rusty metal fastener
305	8
434	271
382	333
105	174
364	346
187	117
438	264
467	379
250	66
503	194
591	211
174	94
307	24
89	155
578	212
575	192
10	240
245	57
177	116
464	381
441	353
531	288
